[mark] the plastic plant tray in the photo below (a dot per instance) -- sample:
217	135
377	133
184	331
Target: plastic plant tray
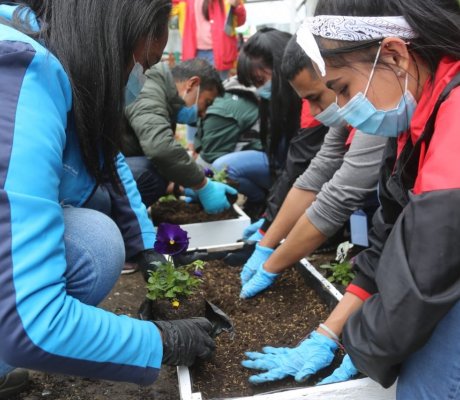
218	235
357	389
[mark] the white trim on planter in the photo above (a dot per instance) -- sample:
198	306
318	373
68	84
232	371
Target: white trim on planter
357	389
218	235
324	282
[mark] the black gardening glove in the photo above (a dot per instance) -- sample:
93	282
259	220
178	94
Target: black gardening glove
184	340
146	260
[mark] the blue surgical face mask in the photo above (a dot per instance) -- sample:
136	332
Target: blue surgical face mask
265	91
331	117
135	83
188	115
360	113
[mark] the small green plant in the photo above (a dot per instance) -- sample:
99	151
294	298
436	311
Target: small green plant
221	176
341	270
171	283
217	176
167	198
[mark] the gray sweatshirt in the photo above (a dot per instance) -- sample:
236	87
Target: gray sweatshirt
343	179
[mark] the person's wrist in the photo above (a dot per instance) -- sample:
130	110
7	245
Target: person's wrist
326	331
267	241
268	267
324	340
264	249
269	273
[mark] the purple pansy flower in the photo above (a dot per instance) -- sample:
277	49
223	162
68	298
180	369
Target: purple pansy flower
171	239
198	273
208	172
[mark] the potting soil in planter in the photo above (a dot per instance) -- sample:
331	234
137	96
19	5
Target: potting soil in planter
281	316
179	212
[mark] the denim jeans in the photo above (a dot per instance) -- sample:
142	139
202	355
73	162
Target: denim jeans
150	183
190	133
433	372
250	169
208	55
95	255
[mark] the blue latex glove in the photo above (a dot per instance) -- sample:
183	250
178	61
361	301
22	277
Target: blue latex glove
258	258
311	355
212	196
261	280
253	228
190	195
345	372
255	237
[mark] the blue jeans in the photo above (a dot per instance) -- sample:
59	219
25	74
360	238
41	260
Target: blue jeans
95	255
433	372
190	133
150	183
208	55
250	169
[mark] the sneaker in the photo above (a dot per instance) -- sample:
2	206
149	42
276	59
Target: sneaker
13	383
130	268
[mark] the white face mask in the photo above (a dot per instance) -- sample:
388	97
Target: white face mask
135	83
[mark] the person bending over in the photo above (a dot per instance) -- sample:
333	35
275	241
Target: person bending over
181	95
395	76
61	114
340	179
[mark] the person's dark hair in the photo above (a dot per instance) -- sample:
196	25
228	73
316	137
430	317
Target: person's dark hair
295	60
437	23
209	77
279	117
95	41
205	7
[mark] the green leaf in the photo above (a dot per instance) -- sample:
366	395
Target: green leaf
167	282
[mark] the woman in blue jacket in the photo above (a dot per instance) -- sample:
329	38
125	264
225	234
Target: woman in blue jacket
64	66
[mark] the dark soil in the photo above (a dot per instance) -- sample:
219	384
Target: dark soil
125	298
281	316
178	212
163	310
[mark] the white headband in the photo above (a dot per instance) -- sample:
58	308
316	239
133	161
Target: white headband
348	28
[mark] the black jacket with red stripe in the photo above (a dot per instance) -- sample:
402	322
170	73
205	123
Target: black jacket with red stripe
409	278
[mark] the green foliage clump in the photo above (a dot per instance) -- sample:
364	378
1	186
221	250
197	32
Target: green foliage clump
167	198
340	272
220	176
342	269
169	282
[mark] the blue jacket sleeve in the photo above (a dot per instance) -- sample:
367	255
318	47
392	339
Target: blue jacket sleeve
130	214
42	327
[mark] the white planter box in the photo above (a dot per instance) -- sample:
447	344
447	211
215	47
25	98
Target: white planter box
357	389
218	235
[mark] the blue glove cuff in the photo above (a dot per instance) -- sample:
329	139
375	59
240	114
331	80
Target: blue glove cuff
269	275
189	192
323	340
255	237
264	250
